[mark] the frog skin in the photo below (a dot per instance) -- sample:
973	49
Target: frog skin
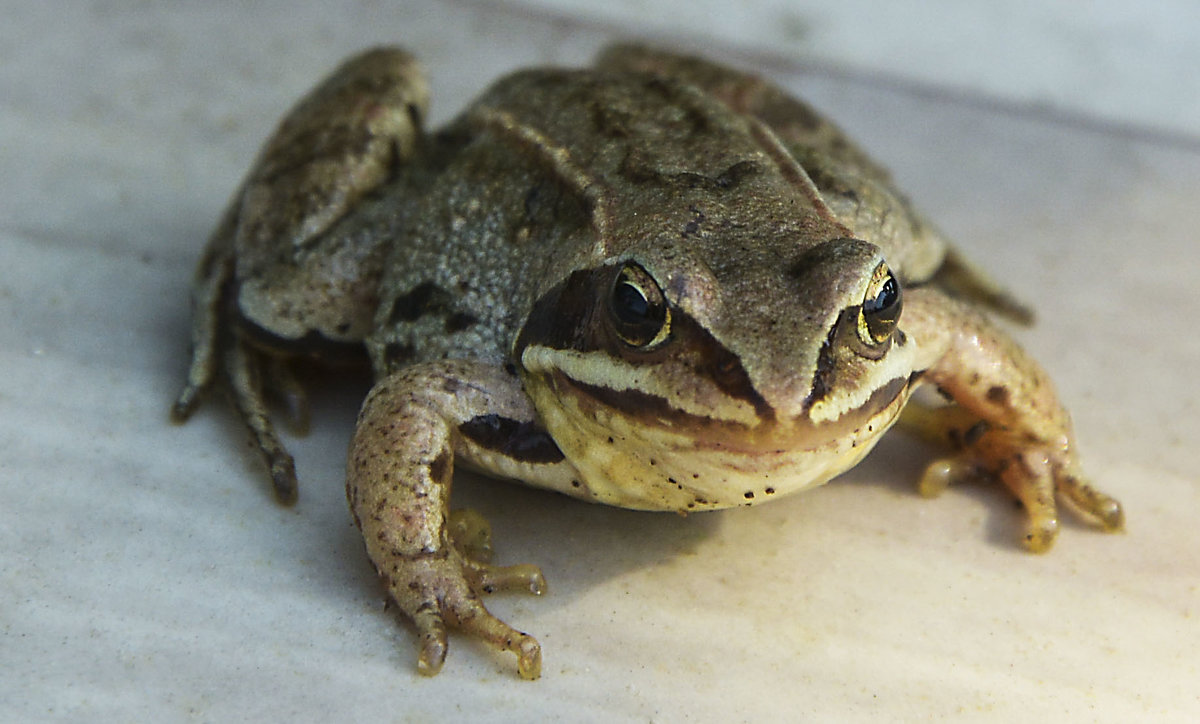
658	283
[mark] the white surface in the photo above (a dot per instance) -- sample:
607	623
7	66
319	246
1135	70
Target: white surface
145	573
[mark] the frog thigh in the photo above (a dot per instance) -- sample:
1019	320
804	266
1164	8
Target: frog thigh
279	266
297	270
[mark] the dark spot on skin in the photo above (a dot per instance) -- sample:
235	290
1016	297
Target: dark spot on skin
609	120
769	491
460	321
680	97
425	298
736	173
523	441
439	469
974	432
997	394
397	353
414	114
748	495
693	224
533	202
850	195
645	168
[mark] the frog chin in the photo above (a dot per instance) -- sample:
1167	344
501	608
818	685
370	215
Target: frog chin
639	454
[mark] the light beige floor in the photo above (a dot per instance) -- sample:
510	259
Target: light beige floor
145	574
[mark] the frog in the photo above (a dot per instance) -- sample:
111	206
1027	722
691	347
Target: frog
658	282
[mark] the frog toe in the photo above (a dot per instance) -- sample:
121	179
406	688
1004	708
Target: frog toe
1039	476
431	631
282	384
477	622
185	404
1092	503
490	579
440	592
940	474
243	368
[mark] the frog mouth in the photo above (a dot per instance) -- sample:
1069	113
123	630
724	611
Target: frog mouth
656	414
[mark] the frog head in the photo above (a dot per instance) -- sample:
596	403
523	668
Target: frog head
721	368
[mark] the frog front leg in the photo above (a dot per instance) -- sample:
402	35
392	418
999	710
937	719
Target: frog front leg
413	426
1007	419
284	273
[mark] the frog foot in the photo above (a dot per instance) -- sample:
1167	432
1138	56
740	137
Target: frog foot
242	368
1038	474
220	354
441	589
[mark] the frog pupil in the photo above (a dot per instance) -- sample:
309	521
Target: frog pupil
630	304
887	297
881	312
637	309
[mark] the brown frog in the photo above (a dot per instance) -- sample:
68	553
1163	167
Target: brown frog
658	283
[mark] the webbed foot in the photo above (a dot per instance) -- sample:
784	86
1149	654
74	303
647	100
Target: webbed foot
1039	474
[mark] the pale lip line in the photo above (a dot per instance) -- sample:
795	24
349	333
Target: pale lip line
765	437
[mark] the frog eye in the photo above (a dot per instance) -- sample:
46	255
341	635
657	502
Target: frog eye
637	309
880	310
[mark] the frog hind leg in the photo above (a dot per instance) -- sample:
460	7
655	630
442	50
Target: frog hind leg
962	279
1034	477
281	277
1006	420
